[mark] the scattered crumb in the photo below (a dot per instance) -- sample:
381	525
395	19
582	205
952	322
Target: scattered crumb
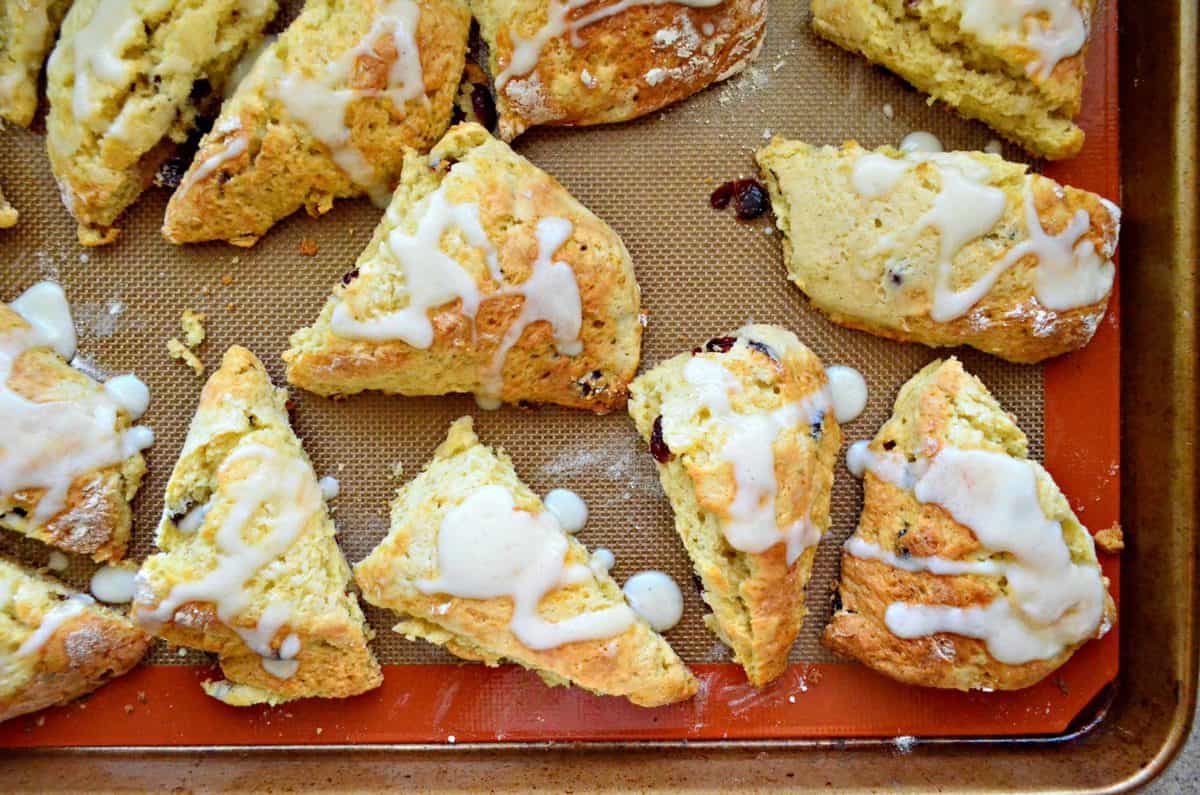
1062	686
451	739
41	720
888	111
177	350
398	469
993	147
904	744
129	709
1111	539
141	696
229	307
319	730
182	652
308	247
192	324
227	279
235	260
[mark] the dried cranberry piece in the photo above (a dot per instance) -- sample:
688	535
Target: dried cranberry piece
349	277
750	199
721	197
658	448
484	106
720	344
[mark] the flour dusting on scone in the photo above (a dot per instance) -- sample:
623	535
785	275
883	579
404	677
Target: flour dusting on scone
484	277
250	568
126	83
1016	66
70	455
746	439
476	563
27	31
57	645
580	62
968	569
325	113
953	248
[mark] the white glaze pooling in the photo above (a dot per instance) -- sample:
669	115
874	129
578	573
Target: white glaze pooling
526	52
330	487
921	141
569	508
49	445
113	584
655	597
99	47
277	495
51	621
1053	29
487	548
848	392
320	104
889	466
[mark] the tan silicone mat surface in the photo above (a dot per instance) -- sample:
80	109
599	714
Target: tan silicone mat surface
701	273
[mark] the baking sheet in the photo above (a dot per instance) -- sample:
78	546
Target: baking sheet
702	273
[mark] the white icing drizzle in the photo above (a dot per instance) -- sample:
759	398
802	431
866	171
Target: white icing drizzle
113	584
234	146
891	467
193	520
749	446
875	175
321	107
99	44
487	548
526	52
49	445
848	392
655	597
921	141
569	508
866	550
1052	602
1053	29
280	489
51	621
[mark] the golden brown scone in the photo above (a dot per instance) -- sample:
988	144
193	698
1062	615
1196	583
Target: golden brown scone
70	456
746	441
27	29
125	83
954	248
1017	67
56	645
521	293
8	213
581	62
326	113
249	567
579	629
965	547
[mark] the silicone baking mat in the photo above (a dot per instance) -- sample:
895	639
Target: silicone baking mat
702	273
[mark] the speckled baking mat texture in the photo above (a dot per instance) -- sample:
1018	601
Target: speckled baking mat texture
701	273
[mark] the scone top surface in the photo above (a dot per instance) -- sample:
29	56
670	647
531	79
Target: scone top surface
249	567
485	277
968	569
325	113
581	62
746	442
944	249
124	84
70	456
522	590
56	645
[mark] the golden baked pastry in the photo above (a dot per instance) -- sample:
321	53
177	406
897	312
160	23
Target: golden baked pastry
8	213
1017	67
125	84
325	113
746	439
27	29
954	248
518	292
579	62
249	567
56	645
70	456
968	569
475	563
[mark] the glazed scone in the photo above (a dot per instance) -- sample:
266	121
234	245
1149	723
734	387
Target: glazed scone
70	455
27	30
1017	67
325	113
8	213
125	82
518	292
745	439
954	248
56	645
968	569
580	62
249	567
475	563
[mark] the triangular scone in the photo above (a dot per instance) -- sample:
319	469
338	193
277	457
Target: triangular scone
326	113
968	569
70	456
590	62
249	567
746	441
27	30
953	248
56	645
487	277
125	83
474	562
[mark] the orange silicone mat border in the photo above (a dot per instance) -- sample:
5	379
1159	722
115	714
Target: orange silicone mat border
164	705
